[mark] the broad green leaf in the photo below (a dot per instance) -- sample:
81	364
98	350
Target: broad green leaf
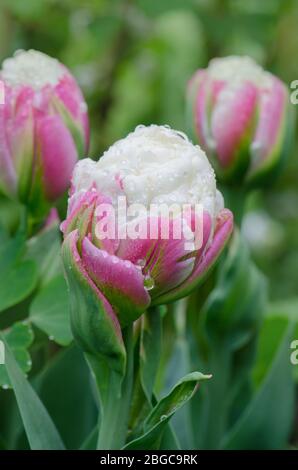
17	284
91	440
44	249
49	311
267	420
40	430
67	376
10	253
19	338
158	418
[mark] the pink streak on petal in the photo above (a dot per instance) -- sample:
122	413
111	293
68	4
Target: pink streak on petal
57	152
271	112
75	206
223	230
162	257
222	234
70	94
121	282
232	115
73	237
52	218
7	171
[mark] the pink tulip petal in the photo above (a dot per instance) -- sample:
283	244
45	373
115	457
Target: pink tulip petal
121	282
57	154
7	171
233	122
71	96
166	260
208	258
106	320
202	103
269	137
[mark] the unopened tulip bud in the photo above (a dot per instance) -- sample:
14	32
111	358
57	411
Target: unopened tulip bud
240	114
156	166
43	128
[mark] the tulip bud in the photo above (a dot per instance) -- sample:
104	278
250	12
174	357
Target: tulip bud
43	128
240	115
152	166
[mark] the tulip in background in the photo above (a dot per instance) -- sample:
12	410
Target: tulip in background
113	282
43	128
240	115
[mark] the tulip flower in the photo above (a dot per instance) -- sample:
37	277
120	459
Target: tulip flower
43	128
124	274
240	115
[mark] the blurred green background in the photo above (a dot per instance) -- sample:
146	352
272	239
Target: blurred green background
133	58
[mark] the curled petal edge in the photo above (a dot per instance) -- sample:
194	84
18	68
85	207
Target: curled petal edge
223	231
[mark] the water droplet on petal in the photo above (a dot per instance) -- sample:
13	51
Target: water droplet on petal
148	282
141	263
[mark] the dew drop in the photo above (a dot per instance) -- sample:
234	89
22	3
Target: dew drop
141	263
5	386
148	282
51	338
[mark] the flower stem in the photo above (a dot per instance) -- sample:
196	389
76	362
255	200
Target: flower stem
116	403
235	200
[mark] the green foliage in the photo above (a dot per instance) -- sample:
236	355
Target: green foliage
49	311
19	338
155	423
133	60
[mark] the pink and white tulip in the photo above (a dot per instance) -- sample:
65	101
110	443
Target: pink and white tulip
152	165
240	115
43	128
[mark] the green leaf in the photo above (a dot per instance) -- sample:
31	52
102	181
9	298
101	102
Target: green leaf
158	418
267	420
19	338
17	284
10	253
67	376
49	311
150	349
44	249
40	430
